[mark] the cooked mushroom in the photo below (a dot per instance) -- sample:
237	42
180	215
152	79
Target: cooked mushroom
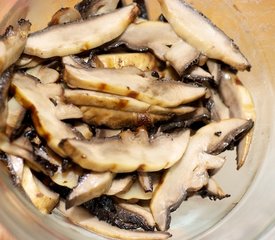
106	132
90	8
44	74
202	34
26	61
116	102
65	15
15	167
153	9
84	129
121	185
116	119
164	93
82	218
240	104
41	196
57	40
190	173
12	44
128	152
146	181
90	186
198	76
215	70
67	111
15	116
181	56
30	94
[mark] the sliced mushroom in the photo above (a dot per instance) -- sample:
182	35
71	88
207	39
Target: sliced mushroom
153	9
26	61
116	119
202	34
89	8
240	104
41	196
145	35
15	166
146	181
215	69
199	76
142	61
128	152
44	74
181	56
65	15
116	102
85	130
15	116
29	93
67	111
107	133
12	44
164	93
90	186
82	218
190	173
58	41
120	185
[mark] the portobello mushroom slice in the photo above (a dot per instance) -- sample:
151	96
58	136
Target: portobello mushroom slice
240	103
65	15
12	44
120	185
15	116
44	74
116	102
30	94
128	152
181	56
83	218
90	186
193	27
164	93
116	119
90	8
57	40
190	174
41	196
146	181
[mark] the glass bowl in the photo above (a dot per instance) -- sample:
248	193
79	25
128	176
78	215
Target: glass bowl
248	213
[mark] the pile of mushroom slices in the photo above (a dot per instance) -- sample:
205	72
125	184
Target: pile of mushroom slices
103	111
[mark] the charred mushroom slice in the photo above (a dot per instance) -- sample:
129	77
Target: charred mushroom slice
58	41
240	104
116	119
128	152
82	218
41	196
146	181
89	8
65	15
90	186
164	93
198	31
12	44
29	93
44	74
181	56
198	76
190	173
121	185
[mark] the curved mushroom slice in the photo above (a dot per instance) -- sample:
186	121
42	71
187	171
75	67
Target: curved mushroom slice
65	15
120	185
142	61
190	173
240	104
146	181
89	8
67	111
199	76
202	34
58	41
30	94
41	196
116	102
26	61
85	130
181	56
12	44
145	35
44	74
128	152
90	186
83	218
136	192
164	93
116	119
15	116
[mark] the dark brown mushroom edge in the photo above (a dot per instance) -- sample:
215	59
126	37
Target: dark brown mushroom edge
101	123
